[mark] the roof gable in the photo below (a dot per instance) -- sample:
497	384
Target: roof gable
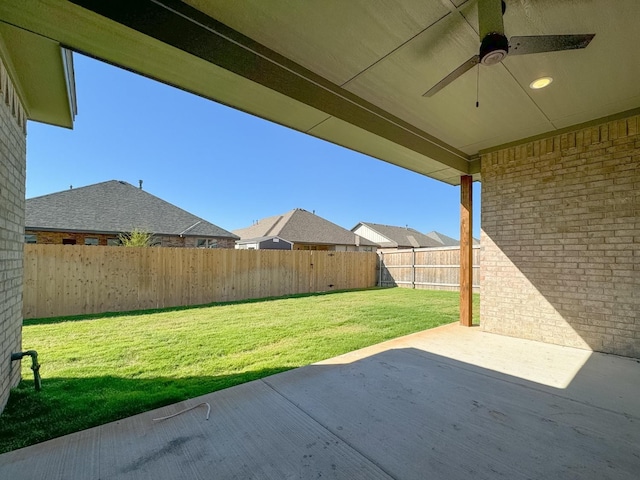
301	226
115	206
402	236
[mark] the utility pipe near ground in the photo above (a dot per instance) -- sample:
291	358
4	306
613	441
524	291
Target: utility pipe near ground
35	366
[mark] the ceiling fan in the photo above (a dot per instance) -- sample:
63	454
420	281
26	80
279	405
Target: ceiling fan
494	45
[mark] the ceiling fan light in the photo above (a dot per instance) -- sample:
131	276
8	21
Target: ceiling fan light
541	82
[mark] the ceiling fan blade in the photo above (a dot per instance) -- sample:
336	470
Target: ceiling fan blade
462	69
548	43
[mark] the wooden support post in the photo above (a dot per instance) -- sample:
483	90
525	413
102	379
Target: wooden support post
466	251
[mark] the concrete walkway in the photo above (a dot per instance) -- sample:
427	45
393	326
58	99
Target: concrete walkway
448	403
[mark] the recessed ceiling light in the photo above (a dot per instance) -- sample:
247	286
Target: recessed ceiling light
541	82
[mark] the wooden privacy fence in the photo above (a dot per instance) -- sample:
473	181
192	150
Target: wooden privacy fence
427	268
73	280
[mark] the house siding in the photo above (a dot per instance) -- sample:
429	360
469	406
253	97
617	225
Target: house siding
560	234
273	245
366	232
12	214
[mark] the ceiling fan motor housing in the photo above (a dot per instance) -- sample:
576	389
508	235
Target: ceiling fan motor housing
493	48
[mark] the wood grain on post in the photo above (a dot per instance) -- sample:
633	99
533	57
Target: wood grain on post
466	251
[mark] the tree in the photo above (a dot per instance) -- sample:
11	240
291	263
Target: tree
136	238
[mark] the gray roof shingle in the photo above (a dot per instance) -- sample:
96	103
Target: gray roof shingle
443	239
301	226
402	237
448	241
114	207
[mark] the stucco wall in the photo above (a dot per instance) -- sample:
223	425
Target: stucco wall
560	256
12	206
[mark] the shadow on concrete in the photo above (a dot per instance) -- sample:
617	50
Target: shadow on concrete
66	405
420	415
402	413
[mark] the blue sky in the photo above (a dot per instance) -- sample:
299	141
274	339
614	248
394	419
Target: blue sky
223	165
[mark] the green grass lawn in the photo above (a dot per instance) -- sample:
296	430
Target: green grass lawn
100	368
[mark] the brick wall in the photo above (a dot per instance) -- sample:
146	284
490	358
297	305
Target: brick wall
79	237
561	239
58	237
221	242
12	205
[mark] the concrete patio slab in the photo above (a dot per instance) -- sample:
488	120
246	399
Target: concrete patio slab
448	403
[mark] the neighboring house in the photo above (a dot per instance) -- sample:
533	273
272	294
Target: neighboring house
97	214
264	243
387	236
305	231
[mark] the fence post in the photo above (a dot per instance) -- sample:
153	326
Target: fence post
413	268
380	269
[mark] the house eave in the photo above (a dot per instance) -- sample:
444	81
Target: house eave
42	72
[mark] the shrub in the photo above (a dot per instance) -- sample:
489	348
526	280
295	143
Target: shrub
136	238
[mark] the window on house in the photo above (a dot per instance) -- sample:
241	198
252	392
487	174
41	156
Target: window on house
314	247
206	243
90	241
113	242
68	241
30	238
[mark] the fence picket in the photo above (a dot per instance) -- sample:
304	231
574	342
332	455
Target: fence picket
74	280
426	268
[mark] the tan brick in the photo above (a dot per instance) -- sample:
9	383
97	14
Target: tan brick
12	189
570	235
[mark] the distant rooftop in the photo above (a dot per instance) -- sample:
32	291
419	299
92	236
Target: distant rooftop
300	226
400	237
113	207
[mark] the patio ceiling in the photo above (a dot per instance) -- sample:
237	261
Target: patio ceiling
354	72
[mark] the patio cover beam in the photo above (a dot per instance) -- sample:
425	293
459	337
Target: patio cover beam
185	28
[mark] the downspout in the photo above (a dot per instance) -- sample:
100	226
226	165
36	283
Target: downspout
35	366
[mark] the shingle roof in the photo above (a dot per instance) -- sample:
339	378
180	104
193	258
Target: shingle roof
300	226
113	207
402	237
442	239
448	241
